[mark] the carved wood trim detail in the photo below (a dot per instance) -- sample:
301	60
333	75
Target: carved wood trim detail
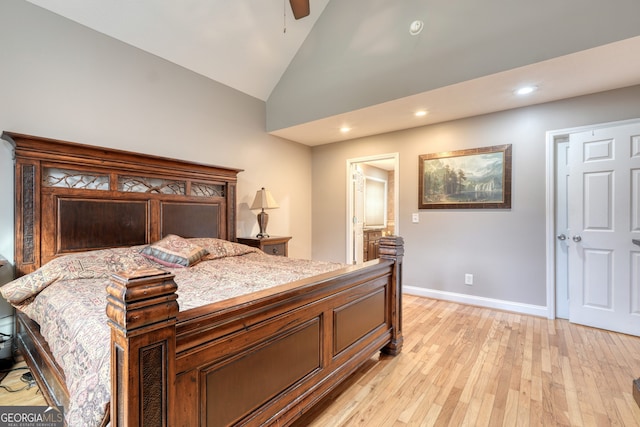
392	247
145	184
117	408
67	178
28	207
154	385
202	189
231	213
142	308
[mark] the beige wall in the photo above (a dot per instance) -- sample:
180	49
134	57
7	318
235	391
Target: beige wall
60	80
503	249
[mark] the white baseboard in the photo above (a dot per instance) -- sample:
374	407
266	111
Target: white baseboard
517	307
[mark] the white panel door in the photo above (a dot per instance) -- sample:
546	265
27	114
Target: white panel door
604	221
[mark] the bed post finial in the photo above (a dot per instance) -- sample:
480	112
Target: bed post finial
392	247
142	307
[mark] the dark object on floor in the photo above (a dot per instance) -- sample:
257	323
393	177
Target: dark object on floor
636	390
6	364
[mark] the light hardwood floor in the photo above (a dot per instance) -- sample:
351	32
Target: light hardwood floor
15	392
469	366
463	365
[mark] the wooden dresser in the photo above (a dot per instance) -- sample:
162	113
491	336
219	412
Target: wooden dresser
273	245
371	239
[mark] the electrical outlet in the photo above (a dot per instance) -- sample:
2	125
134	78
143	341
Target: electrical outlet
468	279
415	218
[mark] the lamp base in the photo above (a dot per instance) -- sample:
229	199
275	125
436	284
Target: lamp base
263	220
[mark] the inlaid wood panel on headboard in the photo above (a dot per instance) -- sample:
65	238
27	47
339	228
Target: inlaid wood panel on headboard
94	198
117	222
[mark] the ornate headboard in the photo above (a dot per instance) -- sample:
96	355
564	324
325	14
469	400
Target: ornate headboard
72	197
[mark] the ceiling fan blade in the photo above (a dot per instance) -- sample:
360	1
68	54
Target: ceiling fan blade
300	8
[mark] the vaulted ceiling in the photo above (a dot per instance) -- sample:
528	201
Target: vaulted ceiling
355	64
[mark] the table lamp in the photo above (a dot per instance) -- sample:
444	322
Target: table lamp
264	200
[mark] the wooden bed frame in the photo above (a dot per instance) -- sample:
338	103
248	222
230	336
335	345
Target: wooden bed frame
259	359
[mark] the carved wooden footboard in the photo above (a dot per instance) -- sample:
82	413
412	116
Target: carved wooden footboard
256	360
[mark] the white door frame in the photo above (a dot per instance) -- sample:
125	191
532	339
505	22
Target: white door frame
396	196
561	224
552	138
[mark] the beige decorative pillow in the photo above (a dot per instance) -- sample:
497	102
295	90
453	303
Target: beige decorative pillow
174	251
218	248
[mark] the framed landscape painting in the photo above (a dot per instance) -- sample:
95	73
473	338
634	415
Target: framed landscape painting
478	178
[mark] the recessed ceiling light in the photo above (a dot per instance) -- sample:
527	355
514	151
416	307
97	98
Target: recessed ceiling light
415	27
345	129
420	113
526	90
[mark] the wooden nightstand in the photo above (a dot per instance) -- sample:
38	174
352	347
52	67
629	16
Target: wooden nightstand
273	245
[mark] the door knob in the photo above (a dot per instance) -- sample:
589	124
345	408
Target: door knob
561	237
576	238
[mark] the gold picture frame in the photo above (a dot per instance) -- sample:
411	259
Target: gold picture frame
477	178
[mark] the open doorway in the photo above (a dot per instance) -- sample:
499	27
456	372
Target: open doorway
372	201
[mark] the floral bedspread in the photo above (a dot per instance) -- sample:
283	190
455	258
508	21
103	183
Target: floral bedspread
67	297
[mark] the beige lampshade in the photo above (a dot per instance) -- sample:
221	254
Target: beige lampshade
264	200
